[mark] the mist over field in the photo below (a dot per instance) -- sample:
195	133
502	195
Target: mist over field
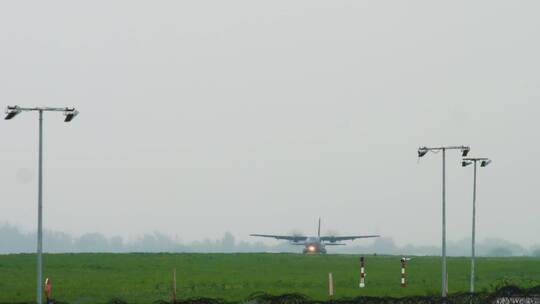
201	117
15	241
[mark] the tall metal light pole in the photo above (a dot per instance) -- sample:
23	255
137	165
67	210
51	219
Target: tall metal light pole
483	162
70	113
421	152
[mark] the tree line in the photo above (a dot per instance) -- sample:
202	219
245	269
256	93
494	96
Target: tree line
12	240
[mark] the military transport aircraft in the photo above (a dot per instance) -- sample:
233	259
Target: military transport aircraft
315	244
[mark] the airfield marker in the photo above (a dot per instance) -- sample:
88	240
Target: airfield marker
47	289
403	273
362	273
174	286
330	286
446	289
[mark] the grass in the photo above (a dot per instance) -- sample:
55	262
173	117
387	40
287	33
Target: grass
146	277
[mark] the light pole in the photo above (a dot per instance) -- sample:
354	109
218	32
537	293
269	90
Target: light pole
483	162
421	152
70	113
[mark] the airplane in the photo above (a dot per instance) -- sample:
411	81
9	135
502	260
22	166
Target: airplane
315	244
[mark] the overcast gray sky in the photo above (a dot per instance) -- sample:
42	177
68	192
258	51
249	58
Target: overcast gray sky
199	117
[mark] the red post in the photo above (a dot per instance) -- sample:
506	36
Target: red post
48	289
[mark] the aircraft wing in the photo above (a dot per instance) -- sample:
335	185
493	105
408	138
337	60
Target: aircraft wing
292	238
333	239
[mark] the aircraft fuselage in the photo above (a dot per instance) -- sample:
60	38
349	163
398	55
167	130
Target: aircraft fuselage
314	245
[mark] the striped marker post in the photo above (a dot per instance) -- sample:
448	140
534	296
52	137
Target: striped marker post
403	273
362	273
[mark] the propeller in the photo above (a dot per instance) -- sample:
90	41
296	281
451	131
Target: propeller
297	235
332	234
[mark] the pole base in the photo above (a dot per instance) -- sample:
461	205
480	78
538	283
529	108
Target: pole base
403	285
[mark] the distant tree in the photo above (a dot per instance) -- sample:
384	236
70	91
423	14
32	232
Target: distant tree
54	241
536	252
385	246
492	245
116	244
156	242
500	252
228	242
91	242
14	241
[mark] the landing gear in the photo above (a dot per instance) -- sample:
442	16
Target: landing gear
320	250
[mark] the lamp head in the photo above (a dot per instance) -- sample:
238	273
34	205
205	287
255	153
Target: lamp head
422	151
485	162
70	114
465	151
465	163
11	111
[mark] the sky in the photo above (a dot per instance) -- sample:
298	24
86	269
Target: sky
200	117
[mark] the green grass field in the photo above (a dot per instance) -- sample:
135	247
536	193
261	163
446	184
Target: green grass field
146	277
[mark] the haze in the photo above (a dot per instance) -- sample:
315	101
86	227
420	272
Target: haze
200	117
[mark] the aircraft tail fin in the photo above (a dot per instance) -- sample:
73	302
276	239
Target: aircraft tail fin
319	230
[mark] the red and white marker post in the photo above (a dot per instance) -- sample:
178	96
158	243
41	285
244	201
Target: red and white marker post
362	273
403	273
48	289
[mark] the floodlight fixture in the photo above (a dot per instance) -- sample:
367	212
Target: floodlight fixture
70	114
465	163
421	152
483	162
11	112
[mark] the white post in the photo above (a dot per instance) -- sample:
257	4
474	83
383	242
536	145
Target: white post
330	286
174	285
446	289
